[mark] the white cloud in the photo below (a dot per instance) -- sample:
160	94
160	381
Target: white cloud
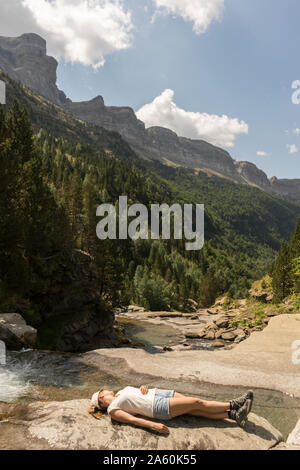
296	131
261	153
218	130
200	12
83	31
292	148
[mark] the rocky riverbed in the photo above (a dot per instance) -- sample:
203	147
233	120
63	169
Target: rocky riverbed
264	360
221	326
65	381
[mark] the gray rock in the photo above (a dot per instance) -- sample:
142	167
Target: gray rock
193	335
24	59
15	333
218	344
220	333
229	336
271	312
67	425
210	335
135	308
88	333
89	323
239	332
11	341
201	333
213	312
211	326
239	339
222	322
289	188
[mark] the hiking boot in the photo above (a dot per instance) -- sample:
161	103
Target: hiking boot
237	403
240	415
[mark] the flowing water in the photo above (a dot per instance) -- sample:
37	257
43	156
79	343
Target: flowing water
39	375
42	375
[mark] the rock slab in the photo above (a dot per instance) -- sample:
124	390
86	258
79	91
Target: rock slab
67	425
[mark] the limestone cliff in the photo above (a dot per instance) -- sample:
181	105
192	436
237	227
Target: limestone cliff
156	142
25	59
286	187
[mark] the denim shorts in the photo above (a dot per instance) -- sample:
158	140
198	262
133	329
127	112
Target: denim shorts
161	405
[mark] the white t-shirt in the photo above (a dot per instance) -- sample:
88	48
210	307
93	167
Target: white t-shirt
132	401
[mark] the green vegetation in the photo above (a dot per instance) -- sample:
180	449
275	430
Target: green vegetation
286	272
53	177
251	315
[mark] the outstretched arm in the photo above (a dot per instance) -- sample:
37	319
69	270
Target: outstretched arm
127	418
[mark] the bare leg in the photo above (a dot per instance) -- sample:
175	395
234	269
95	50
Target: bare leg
186	405
216	417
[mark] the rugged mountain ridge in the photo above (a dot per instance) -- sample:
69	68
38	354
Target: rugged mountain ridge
156	143
21	57
25	59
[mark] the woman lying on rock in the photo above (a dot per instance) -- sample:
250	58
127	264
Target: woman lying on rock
164	405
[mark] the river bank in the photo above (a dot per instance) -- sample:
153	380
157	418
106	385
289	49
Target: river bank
262	362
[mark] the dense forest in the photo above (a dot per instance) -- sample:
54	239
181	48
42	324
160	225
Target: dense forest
286	270
56	170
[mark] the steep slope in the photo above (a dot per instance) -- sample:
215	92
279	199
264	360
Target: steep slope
243	225
21	57
242	208
54	119
156	142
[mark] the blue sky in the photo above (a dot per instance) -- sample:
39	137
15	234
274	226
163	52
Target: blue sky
242	67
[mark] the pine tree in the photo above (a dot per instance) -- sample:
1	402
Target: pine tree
209	290
283	278
75	206
297	275
295	241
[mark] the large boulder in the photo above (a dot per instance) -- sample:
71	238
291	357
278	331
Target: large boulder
89	332
67	425
222	322
15	333
75	319
262	290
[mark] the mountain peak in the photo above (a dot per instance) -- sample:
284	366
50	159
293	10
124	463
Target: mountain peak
25	59
33	38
